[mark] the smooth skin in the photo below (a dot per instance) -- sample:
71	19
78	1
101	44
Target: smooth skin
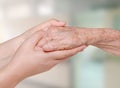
30	59
23	57
8	48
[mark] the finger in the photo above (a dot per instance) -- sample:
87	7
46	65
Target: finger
66	53
51	22
60	60
43	26
34	39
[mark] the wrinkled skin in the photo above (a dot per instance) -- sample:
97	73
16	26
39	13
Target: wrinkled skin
60	38
109	41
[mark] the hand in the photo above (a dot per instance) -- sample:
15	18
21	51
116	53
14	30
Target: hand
31	56
43	26
13	44
30	59
60	38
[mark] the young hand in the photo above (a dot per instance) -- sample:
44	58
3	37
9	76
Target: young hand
30	59
8	48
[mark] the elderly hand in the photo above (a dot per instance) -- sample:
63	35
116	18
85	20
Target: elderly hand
60	38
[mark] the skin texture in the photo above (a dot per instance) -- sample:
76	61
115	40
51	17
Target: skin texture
13	44
60	38
28	54
23	58
30	59
109	41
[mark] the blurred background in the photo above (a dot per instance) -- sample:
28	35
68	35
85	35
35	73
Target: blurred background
92	68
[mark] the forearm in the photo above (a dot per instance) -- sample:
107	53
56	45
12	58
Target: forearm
107	35
91	36
7	49
9	78
87	36
106	39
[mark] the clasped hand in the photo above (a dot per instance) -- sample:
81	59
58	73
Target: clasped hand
50	43
28	54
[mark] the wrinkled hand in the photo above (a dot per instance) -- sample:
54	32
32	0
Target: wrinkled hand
60	38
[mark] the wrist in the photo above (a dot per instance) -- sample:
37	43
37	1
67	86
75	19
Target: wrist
16	42
90	36
82	37
9	47
9	77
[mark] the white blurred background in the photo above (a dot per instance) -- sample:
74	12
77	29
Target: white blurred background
92	68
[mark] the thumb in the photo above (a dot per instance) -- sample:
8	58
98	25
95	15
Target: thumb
34	39
51	22
66	53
